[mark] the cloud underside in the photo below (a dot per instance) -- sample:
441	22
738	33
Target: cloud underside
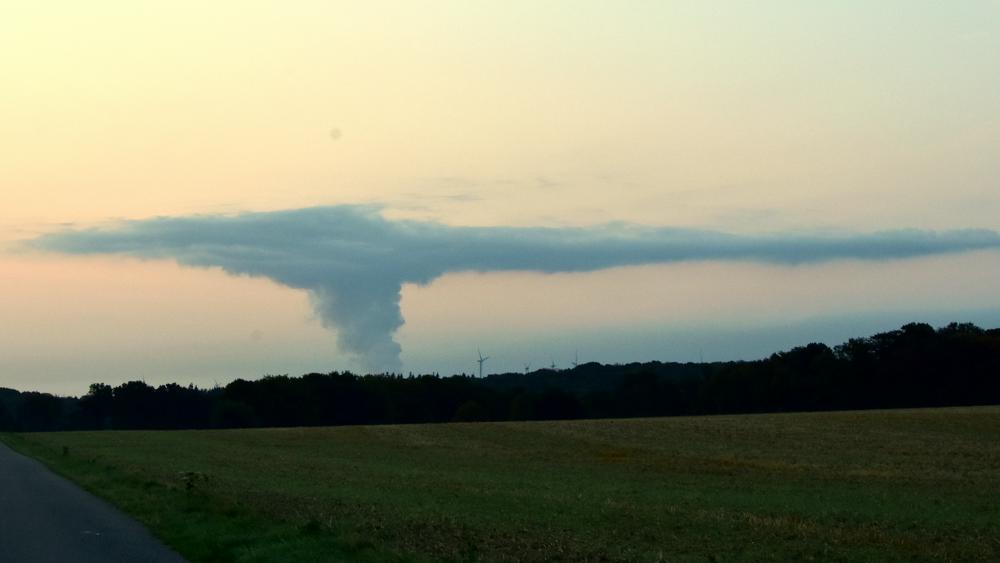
353	261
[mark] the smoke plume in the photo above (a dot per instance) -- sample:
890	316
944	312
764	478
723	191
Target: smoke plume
353	261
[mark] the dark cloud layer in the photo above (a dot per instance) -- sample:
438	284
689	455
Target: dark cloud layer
353	262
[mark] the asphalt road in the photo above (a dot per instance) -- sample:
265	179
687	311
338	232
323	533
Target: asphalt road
45	518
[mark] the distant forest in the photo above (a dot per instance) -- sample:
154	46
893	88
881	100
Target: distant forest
915	366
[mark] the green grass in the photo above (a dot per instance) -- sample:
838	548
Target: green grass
851	486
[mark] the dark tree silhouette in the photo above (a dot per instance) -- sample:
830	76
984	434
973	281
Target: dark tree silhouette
914	366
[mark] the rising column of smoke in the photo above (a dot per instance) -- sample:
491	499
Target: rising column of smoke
353	262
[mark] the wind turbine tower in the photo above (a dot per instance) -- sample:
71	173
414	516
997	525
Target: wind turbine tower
481	360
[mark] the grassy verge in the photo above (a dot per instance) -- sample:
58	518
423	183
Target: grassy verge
183	513
879	485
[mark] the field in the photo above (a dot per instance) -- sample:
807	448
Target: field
850	486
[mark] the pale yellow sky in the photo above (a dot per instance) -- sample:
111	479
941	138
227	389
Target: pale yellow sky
781	114
739	116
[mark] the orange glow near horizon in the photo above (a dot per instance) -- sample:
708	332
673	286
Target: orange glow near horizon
789	117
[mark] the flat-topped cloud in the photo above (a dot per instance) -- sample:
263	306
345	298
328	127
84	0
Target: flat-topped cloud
353	261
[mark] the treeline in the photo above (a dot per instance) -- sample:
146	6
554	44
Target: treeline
915	366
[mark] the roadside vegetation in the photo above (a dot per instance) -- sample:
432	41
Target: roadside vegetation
898	485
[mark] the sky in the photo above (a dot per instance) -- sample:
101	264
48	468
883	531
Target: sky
197	193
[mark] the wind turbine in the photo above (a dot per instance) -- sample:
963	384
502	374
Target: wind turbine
481	360
527	367
576	358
